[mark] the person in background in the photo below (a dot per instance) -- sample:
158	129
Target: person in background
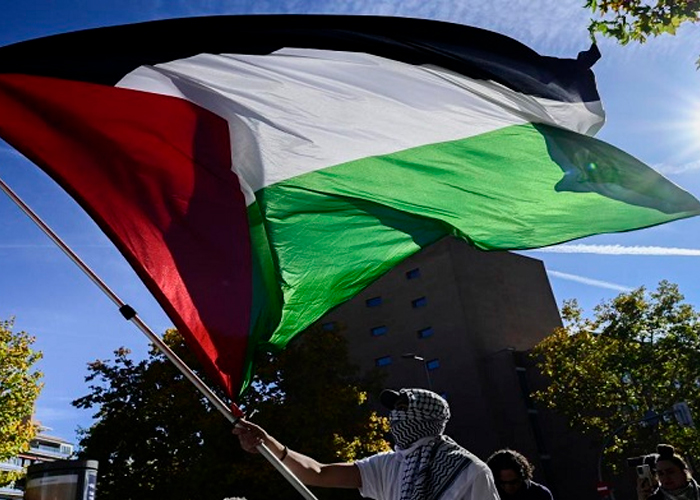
426	464
513	475
675	480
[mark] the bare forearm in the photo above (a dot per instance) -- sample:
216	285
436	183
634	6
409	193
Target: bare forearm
303	467
308	470
313	473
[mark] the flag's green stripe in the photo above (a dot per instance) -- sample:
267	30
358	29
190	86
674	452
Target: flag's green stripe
335	231
267	297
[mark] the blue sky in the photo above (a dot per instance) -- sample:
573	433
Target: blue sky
650	92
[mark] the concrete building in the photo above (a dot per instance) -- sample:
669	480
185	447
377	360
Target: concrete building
43	448
461	321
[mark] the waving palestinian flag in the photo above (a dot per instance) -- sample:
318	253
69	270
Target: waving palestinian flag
257	171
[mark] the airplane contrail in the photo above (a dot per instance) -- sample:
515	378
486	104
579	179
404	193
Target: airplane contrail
621	250
589	281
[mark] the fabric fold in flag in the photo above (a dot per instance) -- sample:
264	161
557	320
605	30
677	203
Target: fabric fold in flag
270	169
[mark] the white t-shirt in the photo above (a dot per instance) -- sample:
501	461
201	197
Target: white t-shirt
381	477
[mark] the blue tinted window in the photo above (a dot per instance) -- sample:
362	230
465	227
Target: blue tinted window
413	274
421	302
433	364
426	332
374	302
328	327
379	330
383	361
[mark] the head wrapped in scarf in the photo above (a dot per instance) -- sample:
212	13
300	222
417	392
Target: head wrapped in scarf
415	414
431	467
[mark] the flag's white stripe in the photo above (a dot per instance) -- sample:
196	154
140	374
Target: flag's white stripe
297	111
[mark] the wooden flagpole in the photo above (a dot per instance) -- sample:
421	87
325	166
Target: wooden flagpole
130	314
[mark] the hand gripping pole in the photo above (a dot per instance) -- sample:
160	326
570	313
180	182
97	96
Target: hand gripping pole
130	314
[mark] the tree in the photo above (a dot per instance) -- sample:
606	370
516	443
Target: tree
19	388
637	20
156	437
310	398
637	357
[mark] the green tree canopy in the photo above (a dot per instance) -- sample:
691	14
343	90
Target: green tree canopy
19	387
156	437
640	353
637	20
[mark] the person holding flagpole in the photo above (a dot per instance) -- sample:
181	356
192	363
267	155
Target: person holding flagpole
426	464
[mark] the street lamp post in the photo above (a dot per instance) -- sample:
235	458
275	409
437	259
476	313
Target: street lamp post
410	355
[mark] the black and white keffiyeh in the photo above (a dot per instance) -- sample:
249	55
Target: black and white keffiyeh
691	491
432	467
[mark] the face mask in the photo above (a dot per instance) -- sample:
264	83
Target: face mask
426	415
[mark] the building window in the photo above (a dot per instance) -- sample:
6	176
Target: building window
413	274
383	361
374	302
420	302
433	364
378	331
426	332
328	327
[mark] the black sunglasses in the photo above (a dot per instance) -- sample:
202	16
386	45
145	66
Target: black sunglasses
401	402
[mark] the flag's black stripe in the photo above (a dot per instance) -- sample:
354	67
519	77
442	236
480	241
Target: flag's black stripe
105	55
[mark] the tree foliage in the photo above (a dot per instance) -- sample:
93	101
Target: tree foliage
156	437
638	356
637	20
19	387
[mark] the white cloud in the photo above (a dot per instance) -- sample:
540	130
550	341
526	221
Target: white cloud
678	169
621	250
25	246
589	281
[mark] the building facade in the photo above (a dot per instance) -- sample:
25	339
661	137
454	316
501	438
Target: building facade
43	448
461	322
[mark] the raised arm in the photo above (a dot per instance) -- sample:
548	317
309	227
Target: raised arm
308	470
